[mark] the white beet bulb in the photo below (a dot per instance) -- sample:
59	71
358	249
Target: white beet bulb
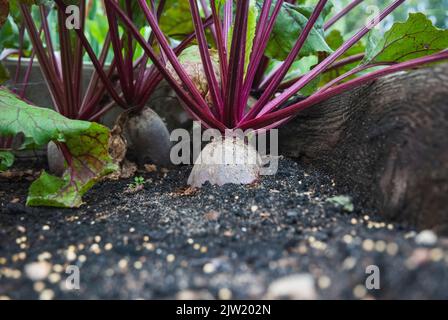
228	160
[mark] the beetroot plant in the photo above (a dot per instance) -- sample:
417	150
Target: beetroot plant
81	146
84	146
243	42
78	147
135	77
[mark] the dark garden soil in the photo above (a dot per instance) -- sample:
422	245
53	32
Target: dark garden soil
278	238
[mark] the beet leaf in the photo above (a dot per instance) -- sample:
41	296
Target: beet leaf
414	38
84	145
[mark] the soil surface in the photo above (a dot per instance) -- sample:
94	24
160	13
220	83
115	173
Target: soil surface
279	238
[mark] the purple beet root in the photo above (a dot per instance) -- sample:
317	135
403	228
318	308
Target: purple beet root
55	158
148	138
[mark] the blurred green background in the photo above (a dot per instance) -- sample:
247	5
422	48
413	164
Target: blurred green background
436	10
97	26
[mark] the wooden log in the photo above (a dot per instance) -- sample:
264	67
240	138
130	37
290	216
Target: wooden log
386	143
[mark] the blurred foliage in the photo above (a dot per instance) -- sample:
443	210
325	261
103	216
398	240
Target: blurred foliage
176	23
176	19
96	27
288	26
436	10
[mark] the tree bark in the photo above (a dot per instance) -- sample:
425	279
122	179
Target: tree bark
386	143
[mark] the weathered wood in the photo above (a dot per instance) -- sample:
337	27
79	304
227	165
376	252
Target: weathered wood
387	142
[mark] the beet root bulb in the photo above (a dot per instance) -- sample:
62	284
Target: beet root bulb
228	160
148	138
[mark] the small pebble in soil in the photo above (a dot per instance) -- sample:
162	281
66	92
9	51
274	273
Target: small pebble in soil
359	291
39	286
224	294
426	237
37	270
297	287
324	282
46	294
209	268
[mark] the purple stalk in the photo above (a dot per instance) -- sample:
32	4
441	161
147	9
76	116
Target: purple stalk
236	64
49	43
196	111
68	108
259	75
221	45
144	87
283	70
129	52
48	70
26	78
288	93
228	19
268	78
260	43
98	67
170	55
76	77
19	62
141	63
91	103
207	13
102	111
351	73
292	110
341	14
205	56
338	64
343	62
93	83
261	29
154	77
79	65
123	75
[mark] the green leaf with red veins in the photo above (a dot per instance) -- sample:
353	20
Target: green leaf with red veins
290	22
176	21
298	69
85	146
335	40
417	37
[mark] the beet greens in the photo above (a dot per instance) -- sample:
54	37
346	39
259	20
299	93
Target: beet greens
230	92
